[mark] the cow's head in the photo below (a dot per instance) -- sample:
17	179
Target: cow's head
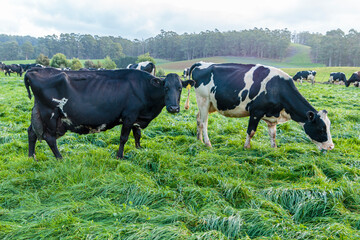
317	127
172	86
354	78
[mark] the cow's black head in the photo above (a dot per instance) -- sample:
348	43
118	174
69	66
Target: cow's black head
354	78
172	86
317	127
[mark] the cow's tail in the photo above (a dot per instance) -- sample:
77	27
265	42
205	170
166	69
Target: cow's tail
27	85
187	103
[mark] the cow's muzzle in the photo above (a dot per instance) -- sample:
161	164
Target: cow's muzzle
173	109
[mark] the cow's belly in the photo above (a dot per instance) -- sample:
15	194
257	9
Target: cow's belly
283	117
238	112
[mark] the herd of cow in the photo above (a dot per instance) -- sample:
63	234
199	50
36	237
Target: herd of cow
337	77
87	101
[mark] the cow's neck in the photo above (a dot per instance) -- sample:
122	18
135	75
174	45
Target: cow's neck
297	106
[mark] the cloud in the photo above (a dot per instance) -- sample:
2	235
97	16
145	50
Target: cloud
144	19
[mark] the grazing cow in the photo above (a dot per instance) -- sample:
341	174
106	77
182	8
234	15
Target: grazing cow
13	68
307	75
145	66
337	77
2	66
355	78
261	92
92	101
26	67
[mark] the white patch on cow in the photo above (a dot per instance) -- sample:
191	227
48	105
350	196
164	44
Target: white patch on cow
67	121
283	117
52	115
128	66
205	64
61	104
328	145
142	64
331	78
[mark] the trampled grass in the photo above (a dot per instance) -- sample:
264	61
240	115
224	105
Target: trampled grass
177	188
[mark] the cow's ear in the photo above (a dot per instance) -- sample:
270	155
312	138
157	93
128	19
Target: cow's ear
157	82
311	116
188	82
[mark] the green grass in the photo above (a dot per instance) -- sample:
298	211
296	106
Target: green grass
177	188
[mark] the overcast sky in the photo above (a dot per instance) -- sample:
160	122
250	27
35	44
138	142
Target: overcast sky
143	19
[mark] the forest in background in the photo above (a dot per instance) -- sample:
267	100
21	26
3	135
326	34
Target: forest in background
335	48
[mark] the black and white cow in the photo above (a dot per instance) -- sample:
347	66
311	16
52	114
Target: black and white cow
145	66
307	75
13	68
337	77
92	101
2	66
355	78
261	92
186	72
26	67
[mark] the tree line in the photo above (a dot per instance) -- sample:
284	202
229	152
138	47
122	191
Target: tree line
335	48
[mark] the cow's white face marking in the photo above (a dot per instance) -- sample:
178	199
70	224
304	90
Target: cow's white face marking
61	104
328	145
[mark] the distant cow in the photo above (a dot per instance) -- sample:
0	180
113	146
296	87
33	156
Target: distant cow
2	66
307	75
261	92
337	77
93	101
13	68
145	66
186	72
26	67
355	78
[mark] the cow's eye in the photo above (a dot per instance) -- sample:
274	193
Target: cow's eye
166	89
180	88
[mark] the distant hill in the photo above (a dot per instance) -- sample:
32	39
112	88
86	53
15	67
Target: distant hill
298	57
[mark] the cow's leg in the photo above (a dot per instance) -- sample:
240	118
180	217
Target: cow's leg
125	131
51	141
202	119
253	123
32	141
137	135
272	133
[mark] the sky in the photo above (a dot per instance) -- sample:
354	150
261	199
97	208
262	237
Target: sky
135	19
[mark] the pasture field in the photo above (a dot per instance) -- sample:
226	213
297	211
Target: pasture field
177	188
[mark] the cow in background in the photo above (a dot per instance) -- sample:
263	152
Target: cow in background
307	75
337	77
355	78
26	67
145	66
13	68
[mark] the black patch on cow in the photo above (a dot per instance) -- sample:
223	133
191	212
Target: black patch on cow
259	75
244	94
229	81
